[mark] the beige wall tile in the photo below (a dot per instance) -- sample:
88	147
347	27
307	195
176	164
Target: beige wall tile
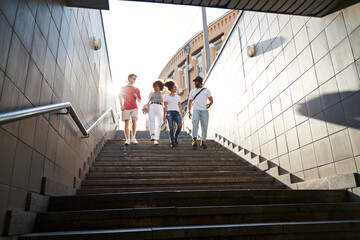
301	40
354	133
308	156
289	119
342	55
36	172
324	69
311	174
33	84
345	166
348	81
292	139
329	93
284	163
352	18
357	162
295	161
355	42
281	144
351	109
318	126
323	151
304	133
319	47
27	131
279	125
41	133
309	81
7	156
285	98
4	198
336	31
335	118
17	199
341	146
327	170
301	112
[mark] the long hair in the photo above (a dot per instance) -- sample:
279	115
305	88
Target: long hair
170	84
159	83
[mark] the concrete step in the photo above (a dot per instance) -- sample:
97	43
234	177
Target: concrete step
167	175
186	216
102	190
168	164
310	230
160	168
195	198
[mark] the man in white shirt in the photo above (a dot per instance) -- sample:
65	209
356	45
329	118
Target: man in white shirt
198	99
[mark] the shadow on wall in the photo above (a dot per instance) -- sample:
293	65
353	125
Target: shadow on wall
264	46
344	113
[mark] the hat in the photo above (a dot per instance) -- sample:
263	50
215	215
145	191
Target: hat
198	79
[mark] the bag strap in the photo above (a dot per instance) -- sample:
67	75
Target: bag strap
198	93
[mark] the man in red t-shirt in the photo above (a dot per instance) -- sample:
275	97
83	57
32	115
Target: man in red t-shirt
128	96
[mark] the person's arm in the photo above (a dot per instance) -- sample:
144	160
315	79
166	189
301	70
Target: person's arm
121	100
211	102
189	107
137	95
180	110
165	109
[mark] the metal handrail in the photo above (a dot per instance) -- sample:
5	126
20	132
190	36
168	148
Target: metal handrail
13	116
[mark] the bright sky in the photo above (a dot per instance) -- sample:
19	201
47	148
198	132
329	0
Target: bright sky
142	38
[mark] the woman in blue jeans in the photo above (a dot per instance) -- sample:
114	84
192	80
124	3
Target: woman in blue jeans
173	111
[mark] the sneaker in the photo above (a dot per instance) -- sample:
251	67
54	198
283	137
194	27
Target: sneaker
127	142
194	143
203	146
172	144
134	141
176	141
156	142
152	138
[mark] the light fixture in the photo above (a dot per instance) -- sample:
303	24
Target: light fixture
187	48
96	43
251	51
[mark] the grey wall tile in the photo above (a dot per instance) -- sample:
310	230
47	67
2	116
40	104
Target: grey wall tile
41	133
50	64
18	62
2	77
27	131
335	118
345	166
351	109
53	38
323	151
313	103
17	199
33	84
9	7
36	172
24	24
7	156
357	162
5	39
57	13
38	50
341	146
33	4
354	133
43	17
329	93
51	146
318	126
22	163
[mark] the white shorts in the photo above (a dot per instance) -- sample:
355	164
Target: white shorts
128	114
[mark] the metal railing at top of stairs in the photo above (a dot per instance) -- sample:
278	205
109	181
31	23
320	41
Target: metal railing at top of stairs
13	116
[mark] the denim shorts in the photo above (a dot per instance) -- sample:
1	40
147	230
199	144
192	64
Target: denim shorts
173	116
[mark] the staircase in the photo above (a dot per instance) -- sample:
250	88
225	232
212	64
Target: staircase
155	192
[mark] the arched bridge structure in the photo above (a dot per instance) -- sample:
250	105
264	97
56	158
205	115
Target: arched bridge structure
311	8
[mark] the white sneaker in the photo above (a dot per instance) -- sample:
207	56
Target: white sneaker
152	138
127	142
156	142
134	141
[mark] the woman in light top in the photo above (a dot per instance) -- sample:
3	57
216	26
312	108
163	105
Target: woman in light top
173	111
156	110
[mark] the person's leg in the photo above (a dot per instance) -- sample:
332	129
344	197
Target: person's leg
127	129
152	121
158	121
204	124
134	118
195	123
170	119
179	126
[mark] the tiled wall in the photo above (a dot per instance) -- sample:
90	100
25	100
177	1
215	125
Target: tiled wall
47	57
296	103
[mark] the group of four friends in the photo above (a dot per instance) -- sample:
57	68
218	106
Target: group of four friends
163	107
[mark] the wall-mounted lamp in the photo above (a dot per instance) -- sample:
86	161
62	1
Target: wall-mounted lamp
96	43
251	51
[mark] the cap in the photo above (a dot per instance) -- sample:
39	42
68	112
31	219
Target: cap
198	79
